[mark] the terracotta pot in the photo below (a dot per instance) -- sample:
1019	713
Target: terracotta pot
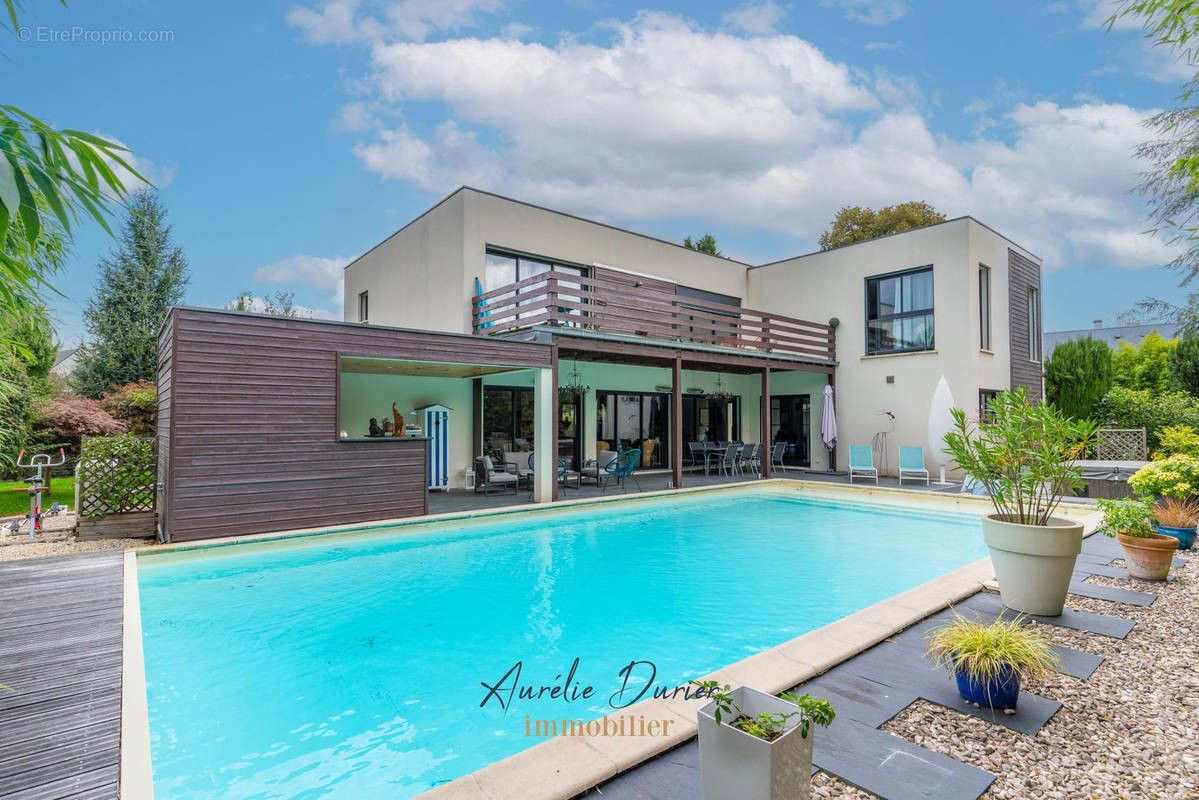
1148	558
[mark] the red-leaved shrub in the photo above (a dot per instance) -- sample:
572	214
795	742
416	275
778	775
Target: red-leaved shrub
63	421
135	404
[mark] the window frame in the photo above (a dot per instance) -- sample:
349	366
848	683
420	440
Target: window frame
1034	324
984	307
929	312
364	305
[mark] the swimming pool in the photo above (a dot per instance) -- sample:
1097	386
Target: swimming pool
336	667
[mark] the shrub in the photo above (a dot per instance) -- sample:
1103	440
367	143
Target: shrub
1175	476
1143	367
135	404
1175	512
64	421
1153	411
982	650
116	475
1183	364
1177	439
1131	516
1077	375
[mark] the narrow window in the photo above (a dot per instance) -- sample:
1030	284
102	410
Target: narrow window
985	398
984	307
1034	324
363	306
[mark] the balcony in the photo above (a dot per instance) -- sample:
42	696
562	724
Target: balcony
647	308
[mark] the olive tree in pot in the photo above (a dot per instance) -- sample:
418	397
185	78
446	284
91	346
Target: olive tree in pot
1149	555
1024	456
755	746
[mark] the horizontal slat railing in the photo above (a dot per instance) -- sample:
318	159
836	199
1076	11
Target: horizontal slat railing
599	304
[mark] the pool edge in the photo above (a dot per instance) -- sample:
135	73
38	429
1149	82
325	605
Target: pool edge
136	771
565	767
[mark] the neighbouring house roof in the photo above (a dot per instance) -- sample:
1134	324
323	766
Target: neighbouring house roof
1114	336
64	362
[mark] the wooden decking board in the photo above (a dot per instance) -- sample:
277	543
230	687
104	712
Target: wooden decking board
60	651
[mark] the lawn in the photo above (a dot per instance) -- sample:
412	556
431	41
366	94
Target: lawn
13	503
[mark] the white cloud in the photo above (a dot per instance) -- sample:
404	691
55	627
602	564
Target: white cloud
259	305
1150	60
515	30
667	120
755	18
355	118
157	175
322	274
344	21
871	12
884	45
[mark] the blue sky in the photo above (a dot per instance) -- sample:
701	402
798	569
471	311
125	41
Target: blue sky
288	137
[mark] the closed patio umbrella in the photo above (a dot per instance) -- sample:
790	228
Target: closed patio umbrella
828	420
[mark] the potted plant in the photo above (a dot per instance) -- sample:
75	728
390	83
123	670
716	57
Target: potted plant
1178	517
1024	456
990	660
755	746
1148	554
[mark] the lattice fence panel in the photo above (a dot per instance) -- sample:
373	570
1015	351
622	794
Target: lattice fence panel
117	475
1122	444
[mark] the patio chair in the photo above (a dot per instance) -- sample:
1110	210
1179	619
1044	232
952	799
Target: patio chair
776	456
565	474
751	458
621	468
695	451
594	469
517	460
489	479
730	463
911	464
861	462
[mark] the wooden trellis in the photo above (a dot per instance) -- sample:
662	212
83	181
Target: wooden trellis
116	480
1122	444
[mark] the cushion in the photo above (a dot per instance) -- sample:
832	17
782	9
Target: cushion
501	477
487	464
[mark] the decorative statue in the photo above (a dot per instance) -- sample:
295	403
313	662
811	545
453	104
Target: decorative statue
399	418
387	427
375	430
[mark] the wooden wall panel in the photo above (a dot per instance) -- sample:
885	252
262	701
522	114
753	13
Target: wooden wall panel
1023	274
248	422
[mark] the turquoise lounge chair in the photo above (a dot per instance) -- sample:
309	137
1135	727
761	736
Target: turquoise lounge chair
911	464
861	462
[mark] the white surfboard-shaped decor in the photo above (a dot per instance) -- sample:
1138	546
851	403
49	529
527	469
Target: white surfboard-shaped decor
940	422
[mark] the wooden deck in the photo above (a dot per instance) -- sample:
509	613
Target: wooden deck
60	652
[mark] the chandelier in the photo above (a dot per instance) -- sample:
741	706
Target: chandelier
720	393
576	385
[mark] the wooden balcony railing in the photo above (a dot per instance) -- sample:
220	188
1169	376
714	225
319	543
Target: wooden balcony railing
613	306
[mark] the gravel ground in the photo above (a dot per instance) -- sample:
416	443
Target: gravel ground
57	539
1131	730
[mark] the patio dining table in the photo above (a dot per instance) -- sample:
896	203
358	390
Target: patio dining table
713	452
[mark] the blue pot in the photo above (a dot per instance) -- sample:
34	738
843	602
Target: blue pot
1002	692
1185	536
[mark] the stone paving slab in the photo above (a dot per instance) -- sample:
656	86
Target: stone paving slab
1112	594
1085	621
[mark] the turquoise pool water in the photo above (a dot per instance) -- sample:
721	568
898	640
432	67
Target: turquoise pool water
355	669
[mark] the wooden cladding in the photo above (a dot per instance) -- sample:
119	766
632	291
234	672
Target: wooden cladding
248	423
624	304
1024	282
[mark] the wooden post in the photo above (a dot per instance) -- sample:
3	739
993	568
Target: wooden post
676	423
765	421
832	454
554	412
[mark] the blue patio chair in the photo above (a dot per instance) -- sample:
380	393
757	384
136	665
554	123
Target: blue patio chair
911	464
621	468
861	462
565	473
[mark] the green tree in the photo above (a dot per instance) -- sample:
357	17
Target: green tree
138	284
1184	317
24	371
1077	375
281	304
1183	365
704	244
1145	366
857	224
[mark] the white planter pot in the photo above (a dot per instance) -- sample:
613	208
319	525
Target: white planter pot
736	766
1033	563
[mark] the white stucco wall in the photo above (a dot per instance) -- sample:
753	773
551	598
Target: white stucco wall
832	284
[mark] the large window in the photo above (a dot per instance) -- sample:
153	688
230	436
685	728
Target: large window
507	418
639	420
1034	324
899	312
711	419
984	307
503	268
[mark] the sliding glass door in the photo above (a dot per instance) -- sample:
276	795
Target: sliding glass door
507	419
638	420
790	423
710	419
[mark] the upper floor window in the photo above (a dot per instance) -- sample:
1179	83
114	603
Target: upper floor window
899	312
984	307
363	306
1034	324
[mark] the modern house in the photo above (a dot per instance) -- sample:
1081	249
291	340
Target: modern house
547	334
